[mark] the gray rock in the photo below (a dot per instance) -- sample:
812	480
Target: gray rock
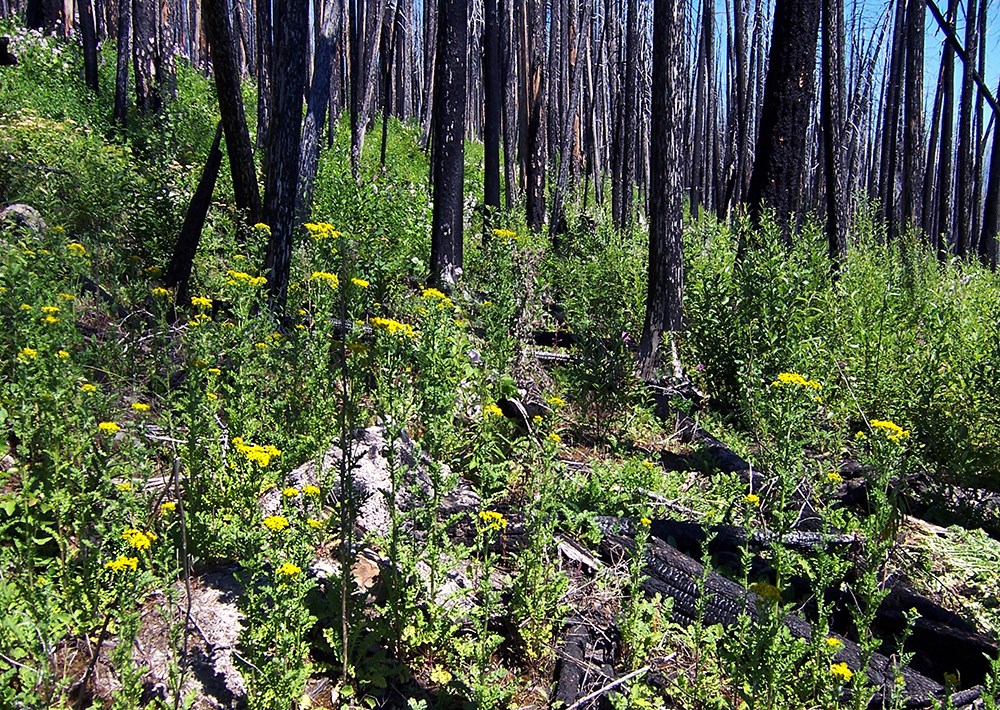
24	216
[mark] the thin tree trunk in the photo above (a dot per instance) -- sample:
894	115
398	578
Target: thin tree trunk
144	56
88	37
991	208
124	50
265	50
491	120
316	107
965	160
916	12
832	113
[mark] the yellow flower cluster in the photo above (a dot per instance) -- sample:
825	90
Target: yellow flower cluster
444	303
360	283
201	302
557	402
140	406
325	276
50	320
161	292
237	277
311	490
122	563
645	522
752	499
313	523
394	327
290	492
834	643
321	230
88	388
50	310
491	520
261	227
77	248
167	507
289	570
260	455
892	430
842	672
793	378
554	438
276	523
834	477
63	355
492	410
27	354
138	539
505	233
108	427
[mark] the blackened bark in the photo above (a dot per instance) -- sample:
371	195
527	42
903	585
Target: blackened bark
786	112
966	159
491	120
889	165
535	94
166	72
120	115
88	37
179	271
265	49
144	56
449	142
393	21
623	219
510	104
945	190
991	207
916	12
43	15
227	84
665	291
832	119
290	47
319	98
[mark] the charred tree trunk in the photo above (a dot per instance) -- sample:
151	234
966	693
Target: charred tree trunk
120	115
265	50
290	38
945	181
991	207
786	112
664	295
913	121
144	56
491	119
234	123
179	270
833	119
316	107
623	218
535	94
449	143
966	159
88	37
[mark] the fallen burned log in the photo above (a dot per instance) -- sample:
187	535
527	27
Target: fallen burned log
673	574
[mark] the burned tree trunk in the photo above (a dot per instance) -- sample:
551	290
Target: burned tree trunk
120	115
786	111
916	12
833	120
88	38
316	107
144	56
534	81
449	143
290	37
491	120
664	294
991	207
234	123
181	262
966	157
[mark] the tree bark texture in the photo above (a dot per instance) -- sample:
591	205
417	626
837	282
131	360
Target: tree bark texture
144	56
120	115
491	118
449	143
832	118
319	98
88	38
535	95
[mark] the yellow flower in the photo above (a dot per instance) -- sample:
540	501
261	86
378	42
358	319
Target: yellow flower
201	302
214	371
261	346
895	432
63	355
66	296
554	438
167	507
51	320
27	354
138	539
109	427
792	378
433	293
276	523
491	520
236	277
505	233
492	410
51	310
261	227
557	402
287	569
313	523
124	486
290	492
122	563
834	477
211	396
140	406
325	276
394	327
25	307
161	292
260	455
841	671
321	230
537	419
311	490
645	522
360	283
77	248
88	388
440	676
834	643
752	499
649	465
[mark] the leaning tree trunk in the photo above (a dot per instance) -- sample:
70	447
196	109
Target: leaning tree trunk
290	38
665	291
120	115
449	143
786	113
179	271
319	98
234	122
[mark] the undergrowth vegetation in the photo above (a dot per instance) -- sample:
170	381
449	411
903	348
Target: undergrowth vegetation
147	442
